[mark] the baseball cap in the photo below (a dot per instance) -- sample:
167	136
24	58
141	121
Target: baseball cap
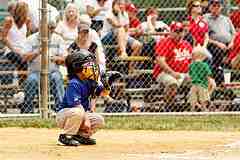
216	1
131	7
83	27
176	26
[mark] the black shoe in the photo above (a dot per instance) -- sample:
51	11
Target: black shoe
68	140
85	141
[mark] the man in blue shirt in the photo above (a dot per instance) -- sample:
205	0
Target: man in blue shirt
75	114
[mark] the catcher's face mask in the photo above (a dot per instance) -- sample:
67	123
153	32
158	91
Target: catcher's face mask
90	71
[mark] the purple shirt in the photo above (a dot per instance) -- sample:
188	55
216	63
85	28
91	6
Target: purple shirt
78	92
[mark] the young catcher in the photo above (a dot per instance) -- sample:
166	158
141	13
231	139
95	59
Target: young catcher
75	115
201	77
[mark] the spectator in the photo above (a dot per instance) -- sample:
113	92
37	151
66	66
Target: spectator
115	30
67	28
15	28
197	26
94	36
34	13
56	54
11	8
134	23
97	10
201	77
173	57
221	35
153	25
204	5
233	57
84	41
82	5
235	16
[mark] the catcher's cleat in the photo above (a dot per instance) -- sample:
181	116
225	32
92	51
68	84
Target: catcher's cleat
68	140
85	141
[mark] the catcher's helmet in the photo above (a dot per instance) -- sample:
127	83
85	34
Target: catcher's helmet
84	62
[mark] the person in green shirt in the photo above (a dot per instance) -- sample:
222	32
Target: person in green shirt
201	78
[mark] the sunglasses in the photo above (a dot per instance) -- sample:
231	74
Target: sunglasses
196	5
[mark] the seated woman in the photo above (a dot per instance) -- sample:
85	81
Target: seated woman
115	30
15	28
67	28
97	10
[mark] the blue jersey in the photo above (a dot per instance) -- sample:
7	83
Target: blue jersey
78	92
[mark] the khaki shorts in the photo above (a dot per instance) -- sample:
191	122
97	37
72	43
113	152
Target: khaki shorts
70	121
198	94
167	79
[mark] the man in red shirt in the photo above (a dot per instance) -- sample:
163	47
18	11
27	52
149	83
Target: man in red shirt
173	57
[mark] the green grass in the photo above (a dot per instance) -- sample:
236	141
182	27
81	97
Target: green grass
206	123
28	123
200	123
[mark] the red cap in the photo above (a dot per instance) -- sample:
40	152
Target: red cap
176	26
131	7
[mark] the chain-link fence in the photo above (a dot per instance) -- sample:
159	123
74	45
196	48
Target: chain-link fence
155	68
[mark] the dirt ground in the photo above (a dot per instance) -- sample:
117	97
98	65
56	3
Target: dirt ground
41	144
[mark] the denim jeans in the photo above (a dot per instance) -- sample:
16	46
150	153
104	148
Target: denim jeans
31	89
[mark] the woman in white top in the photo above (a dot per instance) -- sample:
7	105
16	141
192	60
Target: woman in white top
115	30
97	10
15	28
67	28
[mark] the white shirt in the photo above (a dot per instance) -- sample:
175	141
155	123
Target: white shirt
17	37
159	24
56	48
103	13
69	34
122	18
